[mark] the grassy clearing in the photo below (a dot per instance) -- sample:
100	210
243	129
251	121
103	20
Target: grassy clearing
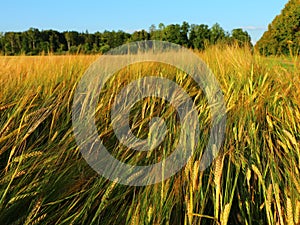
45	180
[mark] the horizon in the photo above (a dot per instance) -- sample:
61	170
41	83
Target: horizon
93	16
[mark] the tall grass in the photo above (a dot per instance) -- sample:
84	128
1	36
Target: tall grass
255	179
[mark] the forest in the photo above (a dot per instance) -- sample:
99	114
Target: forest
36	42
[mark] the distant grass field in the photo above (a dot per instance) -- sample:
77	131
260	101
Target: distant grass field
255	179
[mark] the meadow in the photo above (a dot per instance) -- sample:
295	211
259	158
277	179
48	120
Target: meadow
255	179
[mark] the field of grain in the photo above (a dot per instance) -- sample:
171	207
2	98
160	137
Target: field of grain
254	180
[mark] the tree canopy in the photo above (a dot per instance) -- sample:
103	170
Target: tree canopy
34	41
283	34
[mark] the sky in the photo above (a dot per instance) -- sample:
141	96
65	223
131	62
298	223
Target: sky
130	15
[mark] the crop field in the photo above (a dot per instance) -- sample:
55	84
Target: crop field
255	179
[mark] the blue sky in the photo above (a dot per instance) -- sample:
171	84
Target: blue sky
252	15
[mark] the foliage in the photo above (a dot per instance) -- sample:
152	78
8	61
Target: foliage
283	35
241	37
35	42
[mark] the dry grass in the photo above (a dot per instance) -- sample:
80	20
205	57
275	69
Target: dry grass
44	179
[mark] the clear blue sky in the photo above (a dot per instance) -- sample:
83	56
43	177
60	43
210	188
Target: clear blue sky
129	15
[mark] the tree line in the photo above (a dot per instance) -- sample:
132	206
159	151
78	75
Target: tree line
283	34
35	42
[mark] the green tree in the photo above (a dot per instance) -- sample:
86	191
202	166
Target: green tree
172	33
33	34
1	42
10	43
241	37
199	36
153	32
72	38
161	31
140	35
54	41
184	33
217	34
25	43
282	36
88	41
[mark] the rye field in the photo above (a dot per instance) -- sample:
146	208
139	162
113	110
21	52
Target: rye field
254	180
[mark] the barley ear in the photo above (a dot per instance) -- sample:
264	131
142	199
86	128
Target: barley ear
225	214
289	210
